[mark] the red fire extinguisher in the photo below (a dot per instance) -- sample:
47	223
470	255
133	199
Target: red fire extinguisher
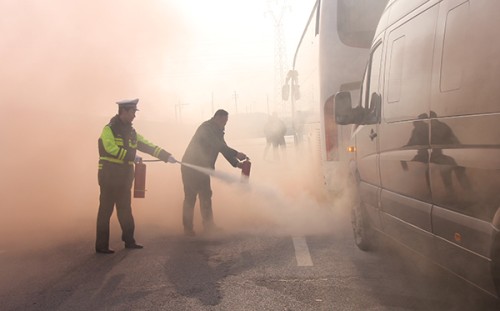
245	170
140	180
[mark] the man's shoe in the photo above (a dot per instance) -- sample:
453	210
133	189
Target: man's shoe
104	251
133	246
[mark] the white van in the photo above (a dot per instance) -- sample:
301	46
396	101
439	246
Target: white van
427	135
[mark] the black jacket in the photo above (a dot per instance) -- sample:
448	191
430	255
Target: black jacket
206	144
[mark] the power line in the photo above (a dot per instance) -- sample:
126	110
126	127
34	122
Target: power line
277	9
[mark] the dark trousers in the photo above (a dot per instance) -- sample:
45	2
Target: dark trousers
115	183
196	184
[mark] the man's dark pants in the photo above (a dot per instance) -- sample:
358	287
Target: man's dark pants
115	181
196	184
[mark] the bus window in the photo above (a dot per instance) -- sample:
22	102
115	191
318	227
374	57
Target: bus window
357	20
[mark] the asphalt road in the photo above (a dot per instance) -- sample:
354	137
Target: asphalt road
237	271
241	269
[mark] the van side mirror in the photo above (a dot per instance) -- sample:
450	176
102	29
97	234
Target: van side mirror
344	114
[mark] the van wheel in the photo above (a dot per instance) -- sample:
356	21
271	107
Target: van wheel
363	233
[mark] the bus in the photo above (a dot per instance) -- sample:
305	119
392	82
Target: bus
330	57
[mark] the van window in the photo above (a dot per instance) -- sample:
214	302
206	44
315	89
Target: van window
371	85
395	70
376	58
364	88
409	60
453	49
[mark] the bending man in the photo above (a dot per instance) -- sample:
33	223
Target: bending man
206	144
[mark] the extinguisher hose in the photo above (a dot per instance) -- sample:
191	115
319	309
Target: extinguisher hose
220	175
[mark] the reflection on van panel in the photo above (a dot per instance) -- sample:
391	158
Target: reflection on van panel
435	142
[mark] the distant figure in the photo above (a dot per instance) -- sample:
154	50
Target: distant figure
203	150
118	145
275	130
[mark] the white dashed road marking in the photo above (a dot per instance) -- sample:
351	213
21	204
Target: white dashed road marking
302	251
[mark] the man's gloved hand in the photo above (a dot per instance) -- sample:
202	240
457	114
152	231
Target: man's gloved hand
241	156
171	159
137	159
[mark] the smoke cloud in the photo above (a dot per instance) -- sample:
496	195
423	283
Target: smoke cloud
63	67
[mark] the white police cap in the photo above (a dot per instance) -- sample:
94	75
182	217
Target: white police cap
128	103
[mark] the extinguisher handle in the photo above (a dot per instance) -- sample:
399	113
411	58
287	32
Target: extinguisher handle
138	159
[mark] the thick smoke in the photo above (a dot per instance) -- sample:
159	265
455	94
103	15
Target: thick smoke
63	67
64	64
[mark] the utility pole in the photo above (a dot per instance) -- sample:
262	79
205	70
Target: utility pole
236	102
277	10
267	101
178	111
213	103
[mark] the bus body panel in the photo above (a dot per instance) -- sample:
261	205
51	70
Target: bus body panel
331	57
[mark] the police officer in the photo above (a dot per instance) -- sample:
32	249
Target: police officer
203	149
118	144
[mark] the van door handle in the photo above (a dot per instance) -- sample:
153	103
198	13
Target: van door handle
372	135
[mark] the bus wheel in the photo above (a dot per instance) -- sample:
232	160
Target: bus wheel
363	233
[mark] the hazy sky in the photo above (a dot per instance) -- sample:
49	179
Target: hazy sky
233	48
166	52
